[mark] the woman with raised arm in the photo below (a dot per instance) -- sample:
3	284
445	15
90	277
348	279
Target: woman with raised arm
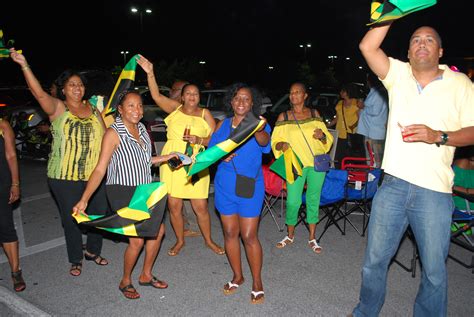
200	124
9	193
77	130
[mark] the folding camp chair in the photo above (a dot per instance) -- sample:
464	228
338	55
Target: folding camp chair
415	256
332	198
274	191
461	234
363	181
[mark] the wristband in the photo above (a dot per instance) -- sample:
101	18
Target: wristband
15	184
26	67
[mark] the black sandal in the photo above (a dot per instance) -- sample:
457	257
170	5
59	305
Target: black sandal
96	258
19	284
75	267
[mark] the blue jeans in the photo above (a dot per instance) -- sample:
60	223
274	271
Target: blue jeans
396	204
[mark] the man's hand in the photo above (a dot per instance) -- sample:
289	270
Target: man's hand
420	133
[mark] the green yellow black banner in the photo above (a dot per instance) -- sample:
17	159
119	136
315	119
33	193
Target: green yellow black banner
384	11
288	166
141	218
124	82
247	127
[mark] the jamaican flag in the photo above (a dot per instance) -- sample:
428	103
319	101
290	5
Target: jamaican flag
124	82
247	127
288	166
383	11
4	49
141	218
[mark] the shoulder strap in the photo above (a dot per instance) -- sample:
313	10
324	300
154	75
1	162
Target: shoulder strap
285	116
202	113
313	113
302	133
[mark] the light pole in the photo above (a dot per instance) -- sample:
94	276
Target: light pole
332	58
305	46
124	53
139	11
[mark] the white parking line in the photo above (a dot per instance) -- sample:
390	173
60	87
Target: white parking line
24	250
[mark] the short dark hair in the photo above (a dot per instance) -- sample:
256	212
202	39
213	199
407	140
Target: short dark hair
232	92
188	85
351	90
63	78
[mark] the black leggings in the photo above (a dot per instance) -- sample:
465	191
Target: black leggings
67	194
7	227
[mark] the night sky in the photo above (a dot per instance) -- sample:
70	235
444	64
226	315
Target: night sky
237	39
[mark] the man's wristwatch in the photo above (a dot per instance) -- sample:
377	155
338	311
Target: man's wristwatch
444	139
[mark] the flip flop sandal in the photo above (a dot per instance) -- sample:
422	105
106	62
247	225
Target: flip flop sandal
153	283
19	284
315	246
130	290
283	243
231	288
96	258
255	299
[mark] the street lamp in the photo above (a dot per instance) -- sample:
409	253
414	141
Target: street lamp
139	11
305	46
332	58
124	53
202	62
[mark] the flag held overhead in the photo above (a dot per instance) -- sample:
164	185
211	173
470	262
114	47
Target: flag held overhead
384	11
124	83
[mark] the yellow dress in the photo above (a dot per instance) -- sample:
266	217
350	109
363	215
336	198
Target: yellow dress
178	183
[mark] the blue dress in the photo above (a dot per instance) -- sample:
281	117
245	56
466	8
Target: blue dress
248	162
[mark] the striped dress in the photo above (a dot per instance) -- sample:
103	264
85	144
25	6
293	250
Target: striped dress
130	164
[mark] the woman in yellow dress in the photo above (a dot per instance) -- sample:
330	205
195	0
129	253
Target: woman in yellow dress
180	186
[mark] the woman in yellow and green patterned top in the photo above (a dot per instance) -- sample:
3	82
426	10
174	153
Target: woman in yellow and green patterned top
299	129
77	130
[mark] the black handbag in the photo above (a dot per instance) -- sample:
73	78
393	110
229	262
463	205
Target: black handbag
244	186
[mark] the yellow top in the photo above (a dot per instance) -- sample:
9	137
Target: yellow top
288	131
351	116
76	146
445	104
178	183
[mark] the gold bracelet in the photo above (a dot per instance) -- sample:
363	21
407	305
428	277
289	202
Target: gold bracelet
15	184
26	67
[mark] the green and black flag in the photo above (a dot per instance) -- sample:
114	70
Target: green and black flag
124	83
247	127
141	218
4	49
384	11
288	166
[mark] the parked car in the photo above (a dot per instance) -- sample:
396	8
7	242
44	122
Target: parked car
18	102
324	103
151	112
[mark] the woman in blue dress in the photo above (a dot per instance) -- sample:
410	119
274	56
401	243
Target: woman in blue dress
240	216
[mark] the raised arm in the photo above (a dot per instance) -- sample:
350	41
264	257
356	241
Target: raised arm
51	106
373	54
167	104
110	142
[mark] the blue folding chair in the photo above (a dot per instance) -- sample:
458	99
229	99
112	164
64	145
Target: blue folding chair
332	197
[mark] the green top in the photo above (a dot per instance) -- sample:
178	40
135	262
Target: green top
76	146
463	178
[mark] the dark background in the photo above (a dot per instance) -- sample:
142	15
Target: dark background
237	39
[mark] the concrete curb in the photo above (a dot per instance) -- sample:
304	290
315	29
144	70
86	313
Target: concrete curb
18	305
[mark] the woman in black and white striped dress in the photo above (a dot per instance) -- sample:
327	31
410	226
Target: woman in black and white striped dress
126	157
